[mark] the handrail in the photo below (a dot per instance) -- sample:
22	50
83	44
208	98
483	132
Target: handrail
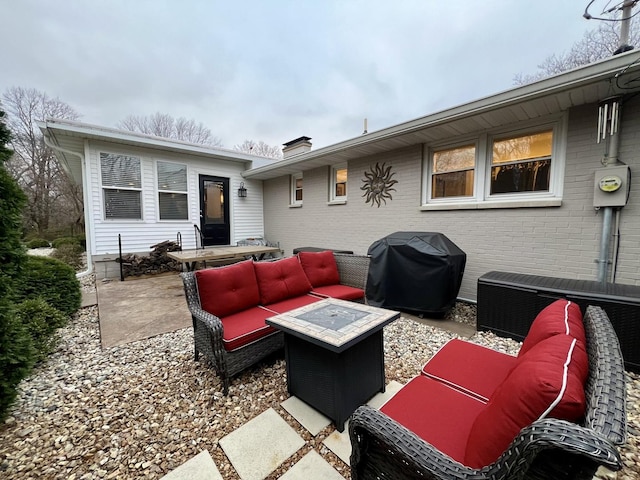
198	234
179	240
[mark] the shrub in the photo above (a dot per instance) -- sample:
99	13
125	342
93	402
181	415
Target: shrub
41	321
58	242
17	355
38	243
52	280
71	254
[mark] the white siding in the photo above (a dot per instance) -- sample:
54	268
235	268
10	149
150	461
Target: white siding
138	236
553	241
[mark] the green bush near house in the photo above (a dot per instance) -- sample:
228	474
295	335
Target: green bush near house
38	243
71	254
58	242
41	321
52	280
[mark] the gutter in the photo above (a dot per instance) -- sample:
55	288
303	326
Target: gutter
89	269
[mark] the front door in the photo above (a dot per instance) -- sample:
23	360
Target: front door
214	210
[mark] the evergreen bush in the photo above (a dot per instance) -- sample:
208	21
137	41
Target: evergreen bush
58	242
16	350
38	243
71	254
41	321
52	280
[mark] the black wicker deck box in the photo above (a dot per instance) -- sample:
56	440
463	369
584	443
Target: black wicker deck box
508	303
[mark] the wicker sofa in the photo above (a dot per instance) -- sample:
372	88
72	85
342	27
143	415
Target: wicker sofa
448	421
229	304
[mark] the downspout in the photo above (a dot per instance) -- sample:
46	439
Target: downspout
87	230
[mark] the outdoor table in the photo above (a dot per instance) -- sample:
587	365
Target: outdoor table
334	354
189	258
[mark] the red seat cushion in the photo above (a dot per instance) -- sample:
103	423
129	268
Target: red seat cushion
436	413
226	290
548	381
320	267
280	280
561	317
245	327
291	303
342	292
469	367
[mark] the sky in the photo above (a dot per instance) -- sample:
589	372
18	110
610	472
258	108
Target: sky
275	70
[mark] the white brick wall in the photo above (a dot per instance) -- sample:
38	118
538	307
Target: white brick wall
555	241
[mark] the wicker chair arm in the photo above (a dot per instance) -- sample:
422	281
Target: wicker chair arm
558	435
210	321
353	269
382	448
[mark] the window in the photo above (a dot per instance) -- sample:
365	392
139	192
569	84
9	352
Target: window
453	172
496	169
172	191
522	163
121	186
296	189
338	183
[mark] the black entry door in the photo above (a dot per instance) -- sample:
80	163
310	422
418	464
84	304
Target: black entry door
214	210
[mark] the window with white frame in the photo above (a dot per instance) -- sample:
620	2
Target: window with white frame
523	165
172	191
338	183
296	189
121	186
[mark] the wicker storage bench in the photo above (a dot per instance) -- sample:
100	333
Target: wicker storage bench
229	305
474	413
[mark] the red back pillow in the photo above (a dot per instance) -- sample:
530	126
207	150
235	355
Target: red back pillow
227	290
280	280
546	382
561	317
320	268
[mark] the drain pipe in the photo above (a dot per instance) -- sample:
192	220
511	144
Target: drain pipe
89	269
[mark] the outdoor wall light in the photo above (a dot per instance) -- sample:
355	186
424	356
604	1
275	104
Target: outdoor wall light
242	192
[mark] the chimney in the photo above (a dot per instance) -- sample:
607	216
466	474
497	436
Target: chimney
296	147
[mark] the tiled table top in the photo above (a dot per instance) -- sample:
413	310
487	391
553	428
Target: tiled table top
333	323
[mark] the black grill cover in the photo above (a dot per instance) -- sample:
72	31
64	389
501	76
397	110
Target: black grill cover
415	271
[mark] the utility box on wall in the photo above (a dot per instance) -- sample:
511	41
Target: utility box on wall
611	186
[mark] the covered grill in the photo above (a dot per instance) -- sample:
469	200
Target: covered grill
416	272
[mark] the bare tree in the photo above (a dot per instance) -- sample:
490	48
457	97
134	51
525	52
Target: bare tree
259	148
595	45
35	166
164	125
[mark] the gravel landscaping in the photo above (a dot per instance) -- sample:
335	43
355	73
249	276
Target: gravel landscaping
142	409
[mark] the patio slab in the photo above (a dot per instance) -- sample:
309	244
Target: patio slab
200	467
140	308
261	445
312	467
340	443
306	415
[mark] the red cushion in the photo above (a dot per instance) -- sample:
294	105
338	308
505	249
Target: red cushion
436	413
342	292
561	317
546	382
227	290
245	327
469	367
280	280
291	303
320	267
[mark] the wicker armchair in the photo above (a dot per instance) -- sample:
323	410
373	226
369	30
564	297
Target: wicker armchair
207	328
546	449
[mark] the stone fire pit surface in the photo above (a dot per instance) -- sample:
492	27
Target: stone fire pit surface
142	409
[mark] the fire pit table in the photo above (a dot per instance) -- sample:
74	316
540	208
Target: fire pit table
334	354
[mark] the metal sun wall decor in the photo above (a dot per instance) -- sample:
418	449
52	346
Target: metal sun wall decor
378	184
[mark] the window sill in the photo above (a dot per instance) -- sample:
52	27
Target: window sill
295	205
548	202
337	202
